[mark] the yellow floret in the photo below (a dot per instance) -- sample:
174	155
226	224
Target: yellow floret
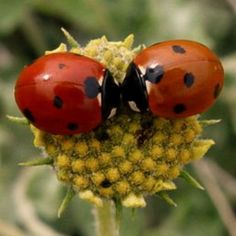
189	135
148	164
135	156
67	144
176	139
179	125
78	166
149	184
185	156
81	182
118	151
112	174
171	154
106	192
108	56
125	167
81	148
92	164
63	175
158	138
137	177
63	161
133	127
128	139
51	149
162	169
94	143
97	178
156	151
105	159
174	172
122	187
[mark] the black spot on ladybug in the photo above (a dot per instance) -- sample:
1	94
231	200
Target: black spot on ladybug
188	79
105	183
72	126
217	90
61	66
154	75
28	114
179	108
178	49
57	102
92	87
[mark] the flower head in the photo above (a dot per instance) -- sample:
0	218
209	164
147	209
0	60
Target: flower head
130	155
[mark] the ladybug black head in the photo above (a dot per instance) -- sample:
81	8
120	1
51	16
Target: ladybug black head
133	89
110	96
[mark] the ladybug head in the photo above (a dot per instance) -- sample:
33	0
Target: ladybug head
133	89
110	96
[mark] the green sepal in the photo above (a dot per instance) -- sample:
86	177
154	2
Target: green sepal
66	201
191	180
71	41
165	197
209	122
38	162
139	48
18	120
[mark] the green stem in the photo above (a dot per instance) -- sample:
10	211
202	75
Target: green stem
105	218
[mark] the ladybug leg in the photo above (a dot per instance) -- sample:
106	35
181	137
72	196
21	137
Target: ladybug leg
110	96
133	89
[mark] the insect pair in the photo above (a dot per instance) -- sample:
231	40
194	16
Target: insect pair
65	93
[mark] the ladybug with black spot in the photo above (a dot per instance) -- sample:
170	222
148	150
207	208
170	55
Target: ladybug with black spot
66	93
173	79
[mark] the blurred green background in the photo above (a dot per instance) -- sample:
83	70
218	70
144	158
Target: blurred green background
29	197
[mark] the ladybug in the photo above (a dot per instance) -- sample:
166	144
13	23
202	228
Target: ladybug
66	93
173	79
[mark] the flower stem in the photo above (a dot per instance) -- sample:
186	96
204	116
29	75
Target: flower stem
105	219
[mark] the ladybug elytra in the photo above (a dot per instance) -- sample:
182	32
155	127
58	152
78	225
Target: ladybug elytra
173	79
66	93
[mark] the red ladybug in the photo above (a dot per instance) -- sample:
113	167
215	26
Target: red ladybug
173	79
65	93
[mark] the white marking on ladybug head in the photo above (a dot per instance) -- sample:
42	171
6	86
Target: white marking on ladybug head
46	77
142	70
100	80
112	112
99	98
148	86
133	106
